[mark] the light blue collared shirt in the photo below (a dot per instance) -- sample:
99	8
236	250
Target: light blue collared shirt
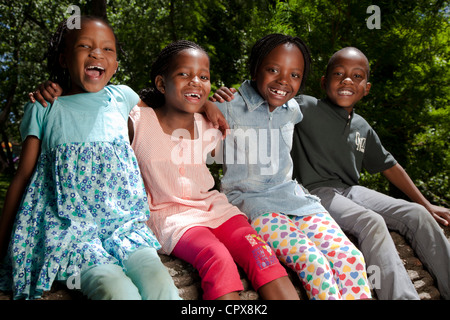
257	163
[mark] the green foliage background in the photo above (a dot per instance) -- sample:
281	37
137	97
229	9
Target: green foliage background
409	100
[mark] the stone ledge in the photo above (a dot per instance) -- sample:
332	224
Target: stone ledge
187	280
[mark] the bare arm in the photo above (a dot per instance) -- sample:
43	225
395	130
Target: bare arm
398	177
47	91
223	94
214	115
28	158
130	130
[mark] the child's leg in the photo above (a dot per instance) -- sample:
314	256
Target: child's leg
417	225
217	269
108	282
345	259
374	241
249	251
151	277
294	249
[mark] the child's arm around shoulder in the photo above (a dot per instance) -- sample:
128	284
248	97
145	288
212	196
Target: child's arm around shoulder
223	94
31	148
398	176
47	91
216	117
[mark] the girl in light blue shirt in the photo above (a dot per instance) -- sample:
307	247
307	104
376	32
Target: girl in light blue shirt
258	174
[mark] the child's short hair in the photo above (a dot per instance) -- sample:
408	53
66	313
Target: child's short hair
151	95
57	45
333	57
266	44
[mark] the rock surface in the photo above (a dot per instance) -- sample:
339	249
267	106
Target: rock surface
187	280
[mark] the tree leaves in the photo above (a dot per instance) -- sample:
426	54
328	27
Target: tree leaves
409	100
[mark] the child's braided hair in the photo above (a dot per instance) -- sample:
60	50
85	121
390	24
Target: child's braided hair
57	46
266	44
151	95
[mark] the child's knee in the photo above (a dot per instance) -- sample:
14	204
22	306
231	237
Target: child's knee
376	221
419	217
371	226
108	282
150	275
216	258
158	285
218	271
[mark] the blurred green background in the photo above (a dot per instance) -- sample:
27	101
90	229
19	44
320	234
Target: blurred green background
409	54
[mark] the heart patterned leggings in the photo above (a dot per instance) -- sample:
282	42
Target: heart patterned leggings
328	264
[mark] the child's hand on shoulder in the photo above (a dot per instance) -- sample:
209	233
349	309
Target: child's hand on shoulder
47	91
216	117
223	94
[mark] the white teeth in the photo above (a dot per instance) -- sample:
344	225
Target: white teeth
196	95
279	92
96	67
345	92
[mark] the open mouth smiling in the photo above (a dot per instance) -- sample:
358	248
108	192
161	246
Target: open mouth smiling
278	92
95	71
345	92
193	95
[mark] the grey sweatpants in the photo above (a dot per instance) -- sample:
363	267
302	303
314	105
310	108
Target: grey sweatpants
369	215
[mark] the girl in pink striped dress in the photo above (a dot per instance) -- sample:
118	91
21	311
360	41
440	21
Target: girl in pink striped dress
191	221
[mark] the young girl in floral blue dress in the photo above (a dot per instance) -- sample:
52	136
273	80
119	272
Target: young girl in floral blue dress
80	201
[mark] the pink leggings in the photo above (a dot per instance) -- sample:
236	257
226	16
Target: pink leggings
215	252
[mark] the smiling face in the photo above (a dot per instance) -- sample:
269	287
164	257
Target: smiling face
186	84
279	75
346	81
90	57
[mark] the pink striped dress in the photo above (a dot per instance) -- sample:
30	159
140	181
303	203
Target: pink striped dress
176	177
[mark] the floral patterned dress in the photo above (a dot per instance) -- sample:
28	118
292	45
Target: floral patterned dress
86	203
